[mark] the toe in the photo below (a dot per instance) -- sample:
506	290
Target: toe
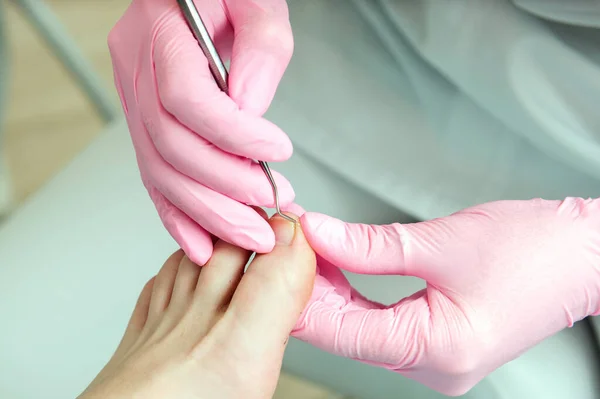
272	294
220	276
223	272
163	287
137	320
185	284
214	288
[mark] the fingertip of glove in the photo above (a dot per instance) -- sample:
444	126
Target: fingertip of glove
272	147
261	243
282	150
196	243
253	103
199	258
315	223
295	209
197	254
323	232
192	238
254	79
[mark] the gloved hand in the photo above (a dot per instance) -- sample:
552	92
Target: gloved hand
501	277
193	142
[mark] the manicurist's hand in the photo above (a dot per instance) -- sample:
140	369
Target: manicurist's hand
501	277
194	143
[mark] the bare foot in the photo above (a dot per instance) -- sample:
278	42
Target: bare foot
213	331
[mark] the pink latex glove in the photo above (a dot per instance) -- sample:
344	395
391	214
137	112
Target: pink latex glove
193	142
501	277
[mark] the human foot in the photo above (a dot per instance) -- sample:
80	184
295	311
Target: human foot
213	331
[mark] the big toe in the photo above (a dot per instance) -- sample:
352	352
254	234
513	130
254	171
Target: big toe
276	287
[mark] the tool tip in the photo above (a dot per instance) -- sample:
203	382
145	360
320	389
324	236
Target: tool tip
286	217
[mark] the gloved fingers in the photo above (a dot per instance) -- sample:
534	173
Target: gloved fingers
195	241
262	48
188	91
273	291
219	215
340	321
333	276
414	249
236	177
333	288
294	208
358	248
391	337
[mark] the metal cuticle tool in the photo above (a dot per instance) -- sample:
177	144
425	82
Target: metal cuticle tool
219	71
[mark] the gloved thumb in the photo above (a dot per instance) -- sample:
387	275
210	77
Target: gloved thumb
262	48
372	249
275	289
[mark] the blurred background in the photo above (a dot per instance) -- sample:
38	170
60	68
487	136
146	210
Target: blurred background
49	119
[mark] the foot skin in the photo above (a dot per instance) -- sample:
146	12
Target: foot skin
213	331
